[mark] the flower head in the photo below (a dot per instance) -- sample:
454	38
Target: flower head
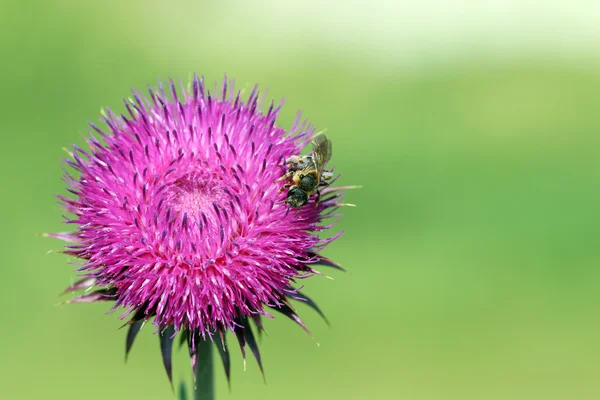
181	218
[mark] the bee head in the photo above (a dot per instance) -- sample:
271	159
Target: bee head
296	197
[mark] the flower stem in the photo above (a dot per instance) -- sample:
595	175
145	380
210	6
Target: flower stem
205	383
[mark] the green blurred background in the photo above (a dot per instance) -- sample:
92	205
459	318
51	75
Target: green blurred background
473	252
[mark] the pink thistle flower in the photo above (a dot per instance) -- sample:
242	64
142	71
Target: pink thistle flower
180	216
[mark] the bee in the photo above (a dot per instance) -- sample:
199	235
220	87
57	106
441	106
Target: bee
306	172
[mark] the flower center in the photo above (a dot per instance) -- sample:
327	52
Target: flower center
194	193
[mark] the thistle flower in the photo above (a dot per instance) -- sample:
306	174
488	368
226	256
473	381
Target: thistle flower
180	218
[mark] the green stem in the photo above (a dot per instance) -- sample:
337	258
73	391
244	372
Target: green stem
205	382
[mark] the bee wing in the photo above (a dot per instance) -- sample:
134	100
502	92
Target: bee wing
322	151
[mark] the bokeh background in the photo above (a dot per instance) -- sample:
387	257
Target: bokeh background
473	252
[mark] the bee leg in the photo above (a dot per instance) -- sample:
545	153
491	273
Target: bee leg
286	186
292	160
286	176
317	199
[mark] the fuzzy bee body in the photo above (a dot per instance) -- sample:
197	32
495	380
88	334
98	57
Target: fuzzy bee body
306	172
